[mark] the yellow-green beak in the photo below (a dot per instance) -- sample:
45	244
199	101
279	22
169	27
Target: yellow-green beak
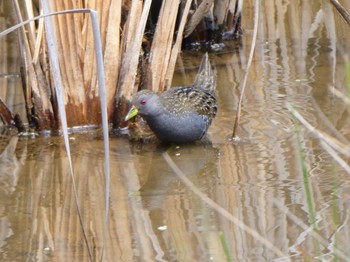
132	113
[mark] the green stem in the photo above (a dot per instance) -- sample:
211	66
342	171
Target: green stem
225	246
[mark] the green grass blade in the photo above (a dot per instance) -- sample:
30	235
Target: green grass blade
307	185
225	246
347	75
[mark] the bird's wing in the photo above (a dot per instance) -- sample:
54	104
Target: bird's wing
182	100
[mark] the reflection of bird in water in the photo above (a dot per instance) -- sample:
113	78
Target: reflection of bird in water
196	160
180	114
9	167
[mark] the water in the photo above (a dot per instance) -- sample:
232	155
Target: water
259	180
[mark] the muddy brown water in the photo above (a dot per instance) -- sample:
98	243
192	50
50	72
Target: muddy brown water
153	215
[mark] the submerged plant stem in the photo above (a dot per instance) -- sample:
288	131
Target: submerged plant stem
307	185
220	209
252	49
306	179
225	246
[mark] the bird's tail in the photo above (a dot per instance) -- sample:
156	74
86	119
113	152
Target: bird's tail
206	76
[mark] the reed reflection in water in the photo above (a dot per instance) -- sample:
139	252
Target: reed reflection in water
153	216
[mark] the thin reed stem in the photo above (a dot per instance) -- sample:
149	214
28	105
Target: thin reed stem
234	136
51	40
341	10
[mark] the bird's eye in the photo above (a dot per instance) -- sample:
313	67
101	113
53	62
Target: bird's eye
143	102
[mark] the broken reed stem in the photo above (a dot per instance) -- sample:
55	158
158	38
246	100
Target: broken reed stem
5	114
131	42
161	45
342	11
234	136
197	17
36	88
177	46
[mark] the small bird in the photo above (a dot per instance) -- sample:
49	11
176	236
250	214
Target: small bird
180	114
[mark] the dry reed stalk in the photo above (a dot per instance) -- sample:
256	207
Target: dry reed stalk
234	136
343	12
177	46
36	89
5	114
236	17
38	41
29	9
130	49
52	48
198	15
221	9
122	32
72	78
75	46
161	45
112	52
228	17
57	83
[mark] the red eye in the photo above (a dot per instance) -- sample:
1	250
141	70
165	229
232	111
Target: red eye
143	102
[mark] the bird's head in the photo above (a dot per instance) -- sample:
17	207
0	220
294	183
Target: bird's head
145	103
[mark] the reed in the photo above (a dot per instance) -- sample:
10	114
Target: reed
234	136
343	12
62	84
122	235
306	179
123	25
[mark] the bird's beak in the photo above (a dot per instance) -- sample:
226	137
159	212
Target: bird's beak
132	113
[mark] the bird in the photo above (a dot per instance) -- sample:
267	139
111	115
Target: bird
180	114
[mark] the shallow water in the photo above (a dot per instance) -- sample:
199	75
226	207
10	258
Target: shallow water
153	215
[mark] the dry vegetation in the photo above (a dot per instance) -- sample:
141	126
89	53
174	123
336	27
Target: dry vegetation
259	191
140	44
